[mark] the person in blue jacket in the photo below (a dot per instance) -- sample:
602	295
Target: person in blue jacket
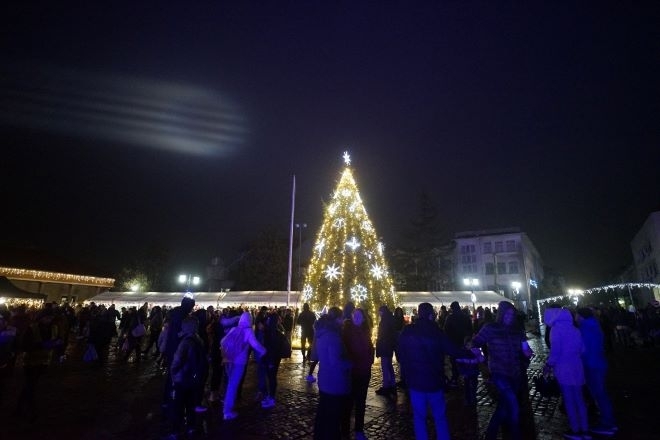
595	370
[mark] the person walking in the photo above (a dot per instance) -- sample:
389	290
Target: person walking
273	334
595	370
356	335
235	351
422	348
306	321
385	343
334	376
565	360
506	360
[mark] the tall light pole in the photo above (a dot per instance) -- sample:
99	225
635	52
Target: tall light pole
472	283
300	227
188	279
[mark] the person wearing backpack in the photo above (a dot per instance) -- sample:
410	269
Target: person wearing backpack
188	372
235	348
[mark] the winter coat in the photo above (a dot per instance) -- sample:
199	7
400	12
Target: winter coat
272	332
387	336
566	347
189	364
421	352
334	365
458	327
505	355
357	341
594	344
306	321
249	339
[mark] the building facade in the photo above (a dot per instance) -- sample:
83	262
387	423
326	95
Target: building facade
502	260
645	248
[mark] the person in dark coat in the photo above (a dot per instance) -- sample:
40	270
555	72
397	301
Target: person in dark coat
385	343
306	321
272	332
356	334
459	330
422	348
188	372
175	319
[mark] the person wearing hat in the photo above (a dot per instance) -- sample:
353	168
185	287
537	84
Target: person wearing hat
421	351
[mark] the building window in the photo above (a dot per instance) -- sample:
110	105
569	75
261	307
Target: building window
490	268
501	268
469	268
488	247
498	246
513	267
510	245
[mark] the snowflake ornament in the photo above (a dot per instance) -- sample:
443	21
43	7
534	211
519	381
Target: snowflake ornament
347	158
358	293
332	272
307	293
377	271
353	243
339	223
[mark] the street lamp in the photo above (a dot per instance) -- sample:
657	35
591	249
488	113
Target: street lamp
300	227
574	293
188	280
472	283
516	285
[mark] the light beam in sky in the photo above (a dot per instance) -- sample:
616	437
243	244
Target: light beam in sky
122	109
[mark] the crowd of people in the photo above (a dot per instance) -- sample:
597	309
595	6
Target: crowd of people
206	353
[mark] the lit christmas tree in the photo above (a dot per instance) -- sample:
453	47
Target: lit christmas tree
348	262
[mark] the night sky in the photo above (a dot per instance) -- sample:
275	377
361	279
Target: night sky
125	126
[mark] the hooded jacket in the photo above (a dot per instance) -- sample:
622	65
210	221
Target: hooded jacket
248	340
566	347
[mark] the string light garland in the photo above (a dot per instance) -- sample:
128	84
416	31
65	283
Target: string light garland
348	263
622	286
55	277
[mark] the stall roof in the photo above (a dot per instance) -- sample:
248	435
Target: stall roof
279	298
8	290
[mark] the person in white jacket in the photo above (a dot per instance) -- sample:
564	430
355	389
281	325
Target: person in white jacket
565	359
236	367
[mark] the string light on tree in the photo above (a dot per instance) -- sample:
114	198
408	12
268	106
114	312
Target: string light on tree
348	258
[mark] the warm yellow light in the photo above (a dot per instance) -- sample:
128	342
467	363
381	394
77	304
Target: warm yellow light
55	277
